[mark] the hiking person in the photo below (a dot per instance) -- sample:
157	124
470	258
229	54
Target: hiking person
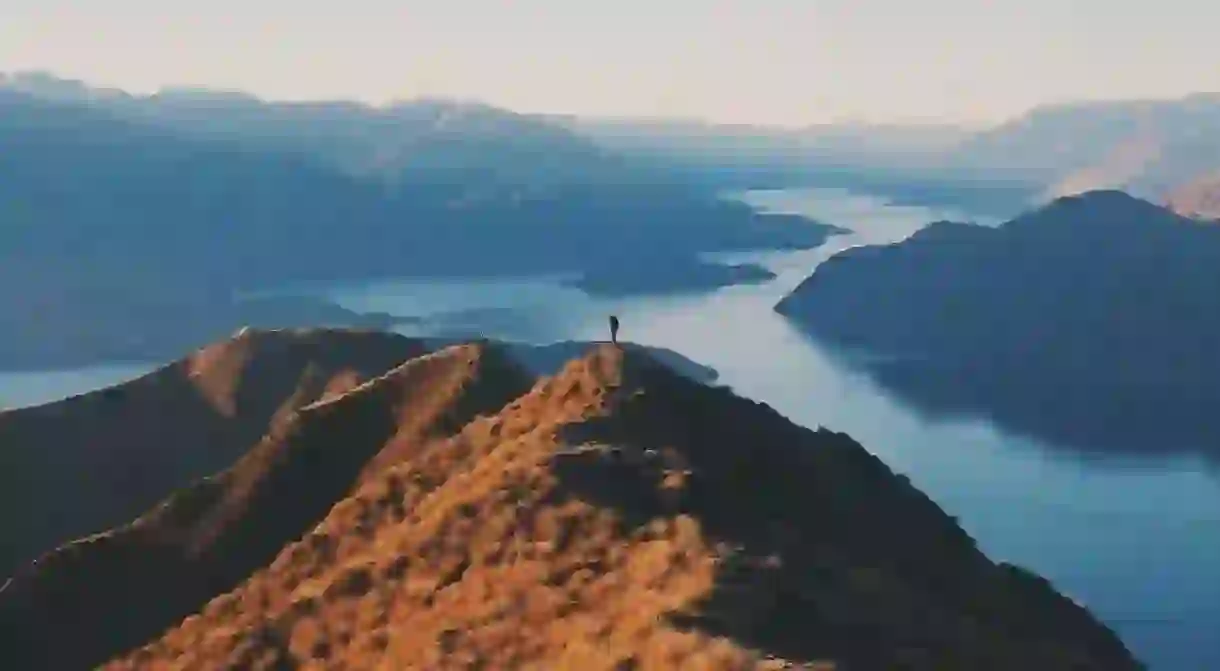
614	329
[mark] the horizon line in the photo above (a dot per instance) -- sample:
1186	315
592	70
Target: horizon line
9	77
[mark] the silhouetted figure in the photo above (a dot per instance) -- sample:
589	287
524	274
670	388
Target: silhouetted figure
614	329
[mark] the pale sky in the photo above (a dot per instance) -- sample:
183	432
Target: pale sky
755	61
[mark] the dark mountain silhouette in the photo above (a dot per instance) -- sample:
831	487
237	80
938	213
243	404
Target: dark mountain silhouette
129	226
1091	323
614	515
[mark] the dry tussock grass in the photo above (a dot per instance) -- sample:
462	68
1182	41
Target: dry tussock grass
96	461
614	516
468	554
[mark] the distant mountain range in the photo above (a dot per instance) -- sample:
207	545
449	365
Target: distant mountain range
1091	323
901	162
128	223
845	144
428	140
1148	148
1199	199
454	509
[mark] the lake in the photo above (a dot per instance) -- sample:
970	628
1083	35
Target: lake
1138	544
18	390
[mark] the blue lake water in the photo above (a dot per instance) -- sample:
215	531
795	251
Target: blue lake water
18	390
1138	544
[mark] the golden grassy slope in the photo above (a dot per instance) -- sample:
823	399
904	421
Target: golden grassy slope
618	516
97	460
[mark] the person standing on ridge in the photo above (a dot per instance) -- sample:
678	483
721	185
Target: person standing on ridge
614	329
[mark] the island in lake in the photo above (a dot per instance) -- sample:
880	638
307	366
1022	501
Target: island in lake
1090	323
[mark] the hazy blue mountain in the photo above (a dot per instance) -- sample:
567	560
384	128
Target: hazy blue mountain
844	144
1199	198
906	163
1146	148
114	226
431	140
1092	322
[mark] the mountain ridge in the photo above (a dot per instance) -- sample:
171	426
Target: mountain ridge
86	466
207	537
608	515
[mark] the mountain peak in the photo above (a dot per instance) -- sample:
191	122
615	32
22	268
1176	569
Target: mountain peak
227	373
1099	203
1111	197
454	511
1105	212
612	365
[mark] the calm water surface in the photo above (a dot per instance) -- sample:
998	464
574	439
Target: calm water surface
1138	545
18	390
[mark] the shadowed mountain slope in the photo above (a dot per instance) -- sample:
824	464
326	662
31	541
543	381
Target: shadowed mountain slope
206	538
79	466
616	515
94	461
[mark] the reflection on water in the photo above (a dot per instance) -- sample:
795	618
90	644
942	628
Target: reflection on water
1138	546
